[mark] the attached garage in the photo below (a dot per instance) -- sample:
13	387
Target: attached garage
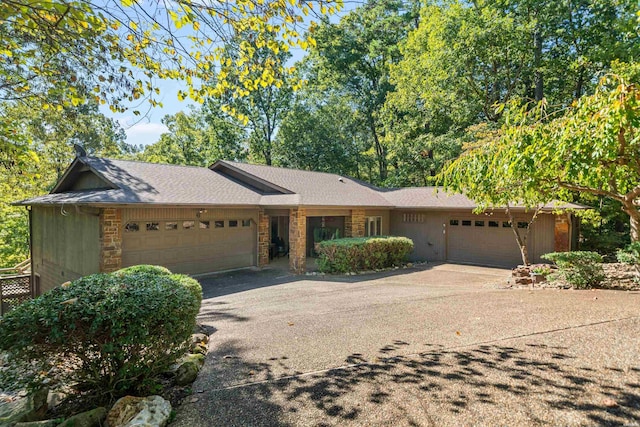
190	241
479	240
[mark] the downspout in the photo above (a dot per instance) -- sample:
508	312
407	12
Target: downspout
33	276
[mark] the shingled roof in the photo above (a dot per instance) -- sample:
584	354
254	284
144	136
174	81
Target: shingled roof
228	183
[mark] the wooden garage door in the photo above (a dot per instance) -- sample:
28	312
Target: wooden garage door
190	246
483	241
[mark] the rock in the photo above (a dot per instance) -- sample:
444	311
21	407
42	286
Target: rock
197	358
409	265
55	398
199	339
199	348
92	418
32	407
45	423
131	411
186	373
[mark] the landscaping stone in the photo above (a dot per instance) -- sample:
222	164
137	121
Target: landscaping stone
199	348
620	276
197	358
186	373
199	338
92	418
32	407
45	423
131	411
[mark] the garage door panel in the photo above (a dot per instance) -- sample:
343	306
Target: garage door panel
191	251
484	245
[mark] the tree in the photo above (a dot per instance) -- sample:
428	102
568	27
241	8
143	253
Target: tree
320	135
353	58
58	53
484	174
592	148
263	107
198	137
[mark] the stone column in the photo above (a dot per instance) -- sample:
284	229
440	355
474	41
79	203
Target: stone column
354	225
298	240
562	233
110	239
263	239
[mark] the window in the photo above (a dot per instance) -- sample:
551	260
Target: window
453	222
170	225
204	224
412	217
479	223
219	224
233	223
505	224
132	227
523	224
153	226
373	225
188	225
494	224
246	223
466	222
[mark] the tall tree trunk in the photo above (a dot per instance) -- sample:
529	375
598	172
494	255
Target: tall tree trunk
522	241
634	222
537	60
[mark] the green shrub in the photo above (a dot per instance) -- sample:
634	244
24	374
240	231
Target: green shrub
630	254
580	269
362	253
105	334
144	268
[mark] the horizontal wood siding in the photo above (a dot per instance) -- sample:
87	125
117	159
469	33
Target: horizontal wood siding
65	246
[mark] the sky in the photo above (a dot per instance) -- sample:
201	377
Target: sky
147	128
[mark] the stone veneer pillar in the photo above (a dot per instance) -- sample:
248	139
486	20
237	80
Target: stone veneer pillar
110	239
354	225
562	235
263	239
298	240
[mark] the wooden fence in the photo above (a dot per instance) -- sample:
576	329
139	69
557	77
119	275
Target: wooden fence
15	286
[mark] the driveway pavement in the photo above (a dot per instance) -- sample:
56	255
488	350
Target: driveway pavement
438	345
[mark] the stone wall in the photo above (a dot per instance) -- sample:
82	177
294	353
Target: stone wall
562	234
110	239
354	225
297	240
264	240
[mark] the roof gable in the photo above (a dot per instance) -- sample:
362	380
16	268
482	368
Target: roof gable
80	176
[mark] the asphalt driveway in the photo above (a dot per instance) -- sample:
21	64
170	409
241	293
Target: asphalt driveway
437	345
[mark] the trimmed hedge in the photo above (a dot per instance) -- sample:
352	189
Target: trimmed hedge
581	269
107	335
362	253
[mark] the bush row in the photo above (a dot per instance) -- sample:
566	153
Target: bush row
105	334
362	253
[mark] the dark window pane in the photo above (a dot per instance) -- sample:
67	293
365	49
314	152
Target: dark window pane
219	224
132	226
453	222
170	225
506	224
479	223
523	224
153	226
466	222
246	223
494	224
233	223
205	224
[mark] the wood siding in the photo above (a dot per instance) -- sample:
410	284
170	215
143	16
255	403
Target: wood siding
191	250
65	246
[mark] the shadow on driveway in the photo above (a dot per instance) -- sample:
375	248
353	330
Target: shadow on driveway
480	385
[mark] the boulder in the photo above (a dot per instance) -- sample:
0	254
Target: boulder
186	373
199	348
32	407
131	411
196	358
92	418
199	339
